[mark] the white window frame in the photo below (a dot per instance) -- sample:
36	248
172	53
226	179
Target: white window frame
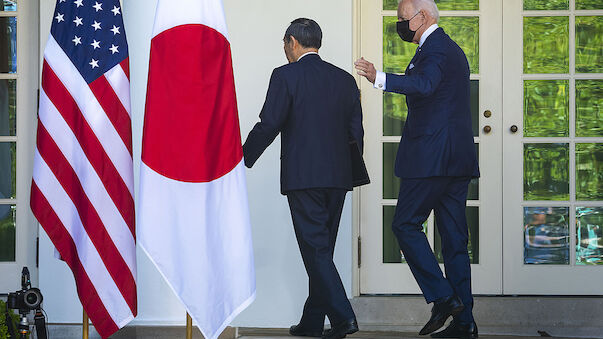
27	15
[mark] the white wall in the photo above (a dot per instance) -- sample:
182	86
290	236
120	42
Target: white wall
256	30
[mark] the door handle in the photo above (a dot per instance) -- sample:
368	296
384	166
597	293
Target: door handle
513	129
487	129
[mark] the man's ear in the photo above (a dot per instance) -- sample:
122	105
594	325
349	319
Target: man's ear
294	42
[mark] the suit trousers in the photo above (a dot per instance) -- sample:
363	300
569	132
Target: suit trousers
316	214
446	196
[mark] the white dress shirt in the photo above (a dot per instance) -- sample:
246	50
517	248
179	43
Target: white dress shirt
381	78
303	55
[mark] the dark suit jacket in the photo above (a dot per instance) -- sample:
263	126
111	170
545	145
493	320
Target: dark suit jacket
316	108
437	139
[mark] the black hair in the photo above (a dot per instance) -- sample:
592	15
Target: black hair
306	32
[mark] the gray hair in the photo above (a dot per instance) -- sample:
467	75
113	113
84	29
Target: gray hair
427	5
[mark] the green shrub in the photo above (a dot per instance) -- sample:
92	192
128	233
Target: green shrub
3	326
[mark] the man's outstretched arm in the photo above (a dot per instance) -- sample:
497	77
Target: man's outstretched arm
272	118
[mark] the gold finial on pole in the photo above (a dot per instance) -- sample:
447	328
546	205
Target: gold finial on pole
85	326
189	326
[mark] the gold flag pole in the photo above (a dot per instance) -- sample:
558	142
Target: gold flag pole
189	326
85	326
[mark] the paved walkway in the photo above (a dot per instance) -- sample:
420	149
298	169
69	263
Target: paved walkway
381	335
399	336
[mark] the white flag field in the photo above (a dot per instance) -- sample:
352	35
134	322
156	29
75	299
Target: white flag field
193	215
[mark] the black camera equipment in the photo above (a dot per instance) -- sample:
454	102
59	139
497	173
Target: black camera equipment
26	300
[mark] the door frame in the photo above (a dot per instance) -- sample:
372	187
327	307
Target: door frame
364	221
357	192
27	105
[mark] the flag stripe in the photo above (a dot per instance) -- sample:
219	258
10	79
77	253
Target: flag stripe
95	152
62	240
208	13
62	205
196	245
120	84
91	110
125	65
112	219
91	221
116	112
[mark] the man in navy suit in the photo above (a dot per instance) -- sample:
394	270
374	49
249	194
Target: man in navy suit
315	106
436	161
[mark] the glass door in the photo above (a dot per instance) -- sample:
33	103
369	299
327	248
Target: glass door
18	107
476	27
553	147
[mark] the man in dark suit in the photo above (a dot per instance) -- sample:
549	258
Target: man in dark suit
315	106
436	160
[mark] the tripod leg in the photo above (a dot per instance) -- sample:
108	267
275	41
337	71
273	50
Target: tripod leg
23	327
40	322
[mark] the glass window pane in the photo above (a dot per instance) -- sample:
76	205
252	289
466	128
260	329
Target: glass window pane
589	235
8	100
7	170
529	5
589	101
589	44
474	88
390	4
7	232
465	32
546	44
391	183
589	4
443	5
546	108
472	213
457	5
396	53
8	44
473	192
546	171
391	248
396	56
589	171
8	5
546	235
394	113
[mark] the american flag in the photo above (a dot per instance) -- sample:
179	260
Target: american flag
82	190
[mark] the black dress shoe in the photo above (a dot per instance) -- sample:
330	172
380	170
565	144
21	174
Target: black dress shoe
299	331
440	312
340	330
458	330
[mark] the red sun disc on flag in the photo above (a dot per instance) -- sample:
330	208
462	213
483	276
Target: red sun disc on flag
191	128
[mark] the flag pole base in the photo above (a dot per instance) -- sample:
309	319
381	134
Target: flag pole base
85	328
189	326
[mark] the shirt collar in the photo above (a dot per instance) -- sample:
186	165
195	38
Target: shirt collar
303	55
427	32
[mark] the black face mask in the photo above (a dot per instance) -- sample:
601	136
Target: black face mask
404	31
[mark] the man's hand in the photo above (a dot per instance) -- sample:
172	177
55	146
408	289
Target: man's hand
366	69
